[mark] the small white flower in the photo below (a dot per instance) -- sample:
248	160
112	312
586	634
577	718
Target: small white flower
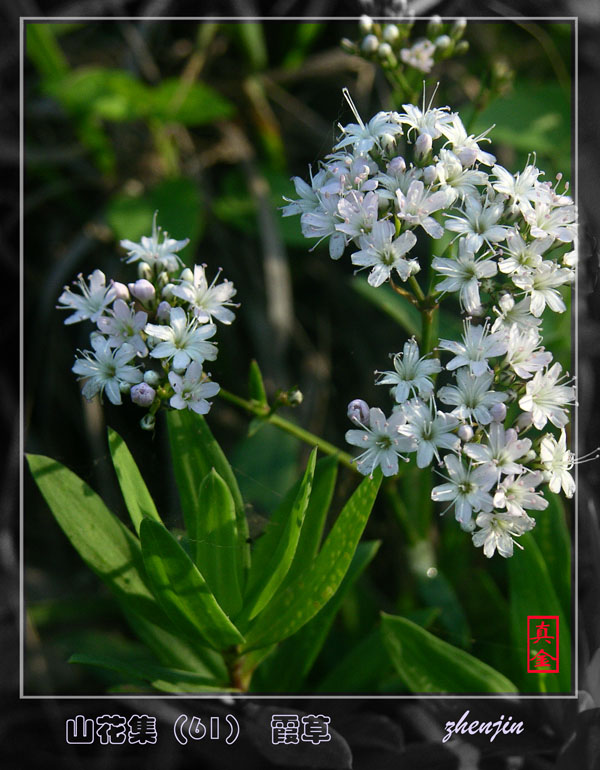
524	353
190	391
498	531
359	213
418	204
106	369
380	131
503	449
420	55
396	177
124	326
516	493
512	313
431	429
557	461
467	489
477	345
182	340
522	257
92	301
545	219
457	180
152	252
321	223
471	396
478	222
348	172
208	301
383	253
521	188
541	287
465	146
427	121
464	275
412	374
308	200
382	443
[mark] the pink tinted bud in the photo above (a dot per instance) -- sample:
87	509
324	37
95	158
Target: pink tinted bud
524	420
121	291
423	144
358	412
465	433
163	311
396	165
142	394
498	412
429	174
142	290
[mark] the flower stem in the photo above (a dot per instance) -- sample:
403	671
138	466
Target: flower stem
289	427
427	324
416	288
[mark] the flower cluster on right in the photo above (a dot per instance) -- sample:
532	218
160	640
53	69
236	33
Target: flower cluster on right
389	191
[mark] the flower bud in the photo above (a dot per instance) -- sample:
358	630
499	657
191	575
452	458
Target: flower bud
163	279
524	420
423	145
385	51
358	412
397	165
467	526
435	26
142	290
465	433
148	422
462	47
152	378
370	44
167	291
124	387
187	275
143	394
459	27
365	24
163	311
498	412
121	291
429	174
391	33
443	42
531	455
144	271
348	45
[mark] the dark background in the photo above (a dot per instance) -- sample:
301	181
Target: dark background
380	733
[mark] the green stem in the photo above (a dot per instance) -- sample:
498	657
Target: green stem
427	318
416	288
289	427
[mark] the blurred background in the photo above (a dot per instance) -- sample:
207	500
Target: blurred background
206	123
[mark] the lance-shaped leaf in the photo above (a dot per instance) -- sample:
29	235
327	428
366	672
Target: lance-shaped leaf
256	386
135	492
214	540
295	605
361	670
278	557
160	677
195	452
182	590
532	593
552	537
102	541
276	674
427	664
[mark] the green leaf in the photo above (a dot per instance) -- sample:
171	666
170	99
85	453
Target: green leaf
193	104
102	541
161	678
552	537
252	41
532	593
361	670
135	492
195	452
437	591
44	50
426	664
294	606
214	533
256	386
273	560
182	590
314	520
175	651
277	675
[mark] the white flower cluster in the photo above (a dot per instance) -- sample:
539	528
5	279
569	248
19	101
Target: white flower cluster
152	336
408	177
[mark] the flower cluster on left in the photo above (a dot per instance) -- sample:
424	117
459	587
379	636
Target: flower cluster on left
154	335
